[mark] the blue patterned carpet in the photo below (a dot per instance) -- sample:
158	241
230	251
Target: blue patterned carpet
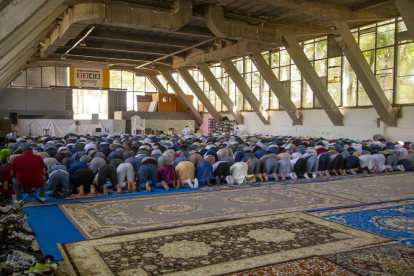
392	219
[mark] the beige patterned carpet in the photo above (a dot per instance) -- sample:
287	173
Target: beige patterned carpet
136	214
215	248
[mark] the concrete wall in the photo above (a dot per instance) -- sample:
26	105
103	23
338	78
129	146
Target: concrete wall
359	123
32	99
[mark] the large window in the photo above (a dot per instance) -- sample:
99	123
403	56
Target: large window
135	85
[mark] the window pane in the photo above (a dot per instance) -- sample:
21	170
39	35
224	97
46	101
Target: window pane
307	99
295	92
275	59
363	99
385	71
139	83
367	39
349	85
284	58
239	99
296	76
320	67
405	90
334	90
247	65
386	35
309	51
256	79
405	74
321	49
405	60
274	101
370	57
239	66
284	73
115	79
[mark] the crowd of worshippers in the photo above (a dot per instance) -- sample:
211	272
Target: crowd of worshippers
86	164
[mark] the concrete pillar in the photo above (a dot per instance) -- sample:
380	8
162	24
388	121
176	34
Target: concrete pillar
277	88
199	93
319	89
180	93
364	73
237	78
156	82
211	79
406	9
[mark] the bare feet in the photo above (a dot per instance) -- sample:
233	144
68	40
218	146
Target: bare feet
334	172
327	173
133	187
275	176
129	187
245	181
92	190
165	185
80	190
178	185
390	169
254	179
283	176
118	188
105	189
260	177
342	172
266	178
321	176
208	182
148	187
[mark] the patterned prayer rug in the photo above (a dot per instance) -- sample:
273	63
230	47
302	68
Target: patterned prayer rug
130	215
393	259
310	266
391	219
368	189
215	248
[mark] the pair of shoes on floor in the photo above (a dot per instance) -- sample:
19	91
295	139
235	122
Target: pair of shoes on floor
293	176
230	180
195	185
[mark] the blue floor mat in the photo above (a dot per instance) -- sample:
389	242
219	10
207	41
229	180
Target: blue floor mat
113	195
394	222
52	227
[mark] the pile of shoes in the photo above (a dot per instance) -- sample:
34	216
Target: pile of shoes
17	242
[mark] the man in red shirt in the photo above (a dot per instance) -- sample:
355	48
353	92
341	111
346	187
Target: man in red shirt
28	170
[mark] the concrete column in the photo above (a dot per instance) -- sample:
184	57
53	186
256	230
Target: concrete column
211	79
277	88
245	89
406	9
319	89
364	73
156	82
180	93
199	93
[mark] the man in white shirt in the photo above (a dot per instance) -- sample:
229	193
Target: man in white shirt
237	131
186	130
